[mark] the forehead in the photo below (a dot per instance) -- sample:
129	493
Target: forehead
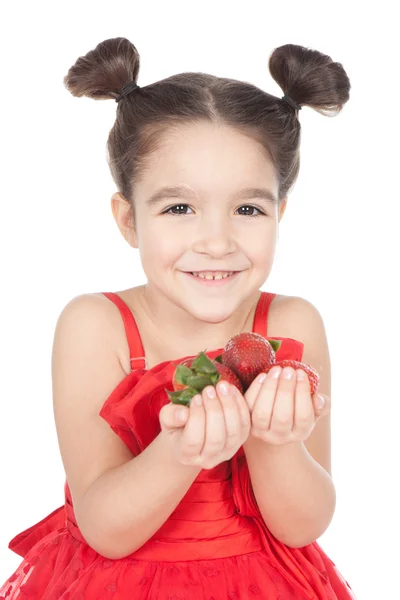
207	158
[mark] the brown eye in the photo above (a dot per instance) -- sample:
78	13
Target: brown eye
167	212
251	207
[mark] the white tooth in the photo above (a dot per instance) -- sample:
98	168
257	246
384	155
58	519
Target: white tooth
210	277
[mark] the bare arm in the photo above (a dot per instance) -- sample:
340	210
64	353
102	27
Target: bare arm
126	505
293	483
119	500
296	496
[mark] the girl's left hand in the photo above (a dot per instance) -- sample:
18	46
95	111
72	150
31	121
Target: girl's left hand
282	409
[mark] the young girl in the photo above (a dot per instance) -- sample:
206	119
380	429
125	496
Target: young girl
224	499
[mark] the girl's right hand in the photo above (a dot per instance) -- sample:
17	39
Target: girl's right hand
212	431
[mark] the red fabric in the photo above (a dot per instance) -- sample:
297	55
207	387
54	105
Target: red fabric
214	546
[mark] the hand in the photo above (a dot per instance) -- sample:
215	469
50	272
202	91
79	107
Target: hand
212	431
283	410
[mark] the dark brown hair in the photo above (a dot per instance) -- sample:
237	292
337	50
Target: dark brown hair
307	76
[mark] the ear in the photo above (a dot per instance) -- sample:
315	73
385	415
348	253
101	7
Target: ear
123	216
282	208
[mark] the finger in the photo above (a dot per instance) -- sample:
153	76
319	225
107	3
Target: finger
253	391
321	410
193	436
303	406
243	407
283	411
170	416
263	408
215	436
233	425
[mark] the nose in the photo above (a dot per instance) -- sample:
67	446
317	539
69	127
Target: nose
215	236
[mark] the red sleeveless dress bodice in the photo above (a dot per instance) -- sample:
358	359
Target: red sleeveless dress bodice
214	546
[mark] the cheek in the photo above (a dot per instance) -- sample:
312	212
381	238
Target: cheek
158	252
261	248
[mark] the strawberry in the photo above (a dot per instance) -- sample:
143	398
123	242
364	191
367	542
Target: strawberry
295	364
192	375
228	375
247	354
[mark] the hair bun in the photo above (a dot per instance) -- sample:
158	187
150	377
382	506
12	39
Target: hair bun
102	72
310	78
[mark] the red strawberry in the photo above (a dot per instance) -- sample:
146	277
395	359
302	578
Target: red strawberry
228	375
311	372
192	375
247	354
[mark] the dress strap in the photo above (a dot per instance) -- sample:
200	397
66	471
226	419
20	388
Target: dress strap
136	351
261	315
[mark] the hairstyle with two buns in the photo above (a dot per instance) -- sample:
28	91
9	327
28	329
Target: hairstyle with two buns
145	116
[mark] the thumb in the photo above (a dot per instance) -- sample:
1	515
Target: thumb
321	404
173	416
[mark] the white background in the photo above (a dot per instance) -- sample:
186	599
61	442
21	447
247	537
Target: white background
337	246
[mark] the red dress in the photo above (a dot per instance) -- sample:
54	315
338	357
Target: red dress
214	546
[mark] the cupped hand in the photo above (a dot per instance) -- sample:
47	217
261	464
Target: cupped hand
213	428
283	409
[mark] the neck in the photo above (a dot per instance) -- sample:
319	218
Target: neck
174	328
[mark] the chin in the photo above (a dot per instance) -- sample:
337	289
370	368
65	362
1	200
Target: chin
210	311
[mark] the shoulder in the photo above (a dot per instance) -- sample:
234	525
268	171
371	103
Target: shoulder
297	318
293	316
95	307
97	316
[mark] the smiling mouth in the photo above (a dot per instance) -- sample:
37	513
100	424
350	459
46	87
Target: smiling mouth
211	274
213	281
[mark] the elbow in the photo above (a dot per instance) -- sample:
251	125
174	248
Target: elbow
294	541
307	536
103	538
105	543
299	543
95	532
96	538
305	532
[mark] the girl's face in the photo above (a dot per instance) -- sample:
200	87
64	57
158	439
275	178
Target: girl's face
208	226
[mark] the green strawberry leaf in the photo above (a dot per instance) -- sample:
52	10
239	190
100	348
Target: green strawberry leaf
218	358
276	344
182	374
199	382
173	395
181	396
204	364
215	377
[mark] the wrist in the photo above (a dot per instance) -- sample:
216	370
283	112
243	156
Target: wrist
170	444
253	443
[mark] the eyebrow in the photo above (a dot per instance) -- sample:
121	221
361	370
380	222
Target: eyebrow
173	191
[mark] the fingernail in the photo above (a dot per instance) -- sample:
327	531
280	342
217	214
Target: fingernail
300	375
262	377
276	372
223	387
197	400
320	401
210	391
287	373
